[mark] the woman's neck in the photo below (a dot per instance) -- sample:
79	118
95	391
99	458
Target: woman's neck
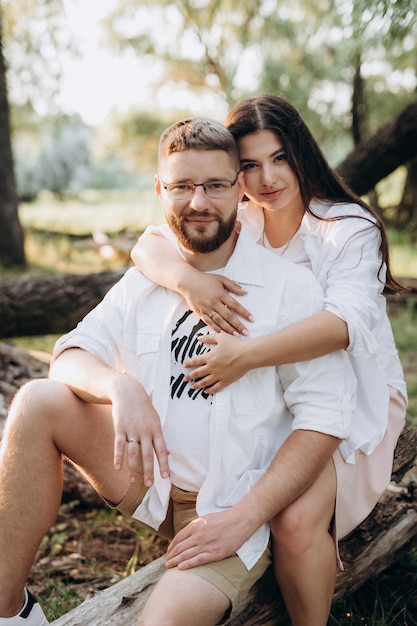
281	226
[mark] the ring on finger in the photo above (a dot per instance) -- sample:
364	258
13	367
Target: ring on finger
213	314
132	440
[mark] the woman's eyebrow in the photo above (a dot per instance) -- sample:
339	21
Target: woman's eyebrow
275	153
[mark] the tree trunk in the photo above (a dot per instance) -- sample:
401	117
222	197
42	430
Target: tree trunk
359	108
373	159
55	304
50	304
407	211
11	232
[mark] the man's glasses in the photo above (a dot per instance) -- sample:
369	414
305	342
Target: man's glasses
213	188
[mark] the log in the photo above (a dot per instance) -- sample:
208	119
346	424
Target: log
380	540
43	305
388	149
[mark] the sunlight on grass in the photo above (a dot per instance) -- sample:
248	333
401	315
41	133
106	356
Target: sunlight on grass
106	211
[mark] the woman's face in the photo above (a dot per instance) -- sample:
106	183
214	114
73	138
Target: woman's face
269	180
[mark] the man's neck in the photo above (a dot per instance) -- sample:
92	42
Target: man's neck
210	261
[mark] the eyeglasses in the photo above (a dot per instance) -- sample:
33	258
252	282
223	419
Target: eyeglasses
213	188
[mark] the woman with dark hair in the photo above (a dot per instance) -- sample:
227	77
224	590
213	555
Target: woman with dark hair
298	207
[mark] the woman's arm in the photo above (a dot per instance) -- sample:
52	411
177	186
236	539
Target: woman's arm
230	358
205	294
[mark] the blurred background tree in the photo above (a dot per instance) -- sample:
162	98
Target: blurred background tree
349	66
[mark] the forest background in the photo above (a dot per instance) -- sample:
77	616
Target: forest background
76	187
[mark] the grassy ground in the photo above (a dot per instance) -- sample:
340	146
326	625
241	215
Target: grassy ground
89	549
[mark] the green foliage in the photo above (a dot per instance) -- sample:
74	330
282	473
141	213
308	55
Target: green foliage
34	33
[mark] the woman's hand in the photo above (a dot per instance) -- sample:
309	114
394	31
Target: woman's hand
209	297
212	537
222	365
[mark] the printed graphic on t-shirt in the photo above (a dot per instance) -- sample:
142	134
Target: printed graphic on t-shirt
184	345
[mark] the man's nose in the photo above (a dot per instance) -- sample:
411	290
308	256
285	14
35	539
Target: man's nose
200	201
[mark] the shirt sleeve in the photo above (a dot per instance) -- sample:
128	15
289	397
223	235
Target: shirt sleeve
163	230
353	279
320	393
101	330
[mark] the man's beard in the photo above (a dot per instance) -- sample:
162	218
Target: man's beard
201	244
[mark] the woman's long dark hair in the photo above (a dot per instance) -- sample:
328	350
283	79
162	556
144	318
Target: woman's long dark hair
316	178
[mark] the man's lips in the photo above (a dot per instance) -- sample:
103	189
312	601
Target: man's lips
200	219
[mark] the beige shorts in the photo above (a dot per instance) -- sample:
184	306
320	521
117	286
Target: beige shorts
229	575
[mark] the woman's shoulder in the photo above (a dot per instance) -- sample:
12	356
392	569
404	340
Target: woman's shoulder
333	210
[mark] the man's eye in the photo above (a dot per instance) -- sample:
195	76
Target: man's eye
181	187
216	185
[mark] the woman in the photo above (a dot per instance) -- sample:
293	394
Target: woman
298	207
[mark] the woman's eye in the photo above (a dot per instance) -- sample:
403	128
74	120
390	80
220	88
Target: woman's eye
249	166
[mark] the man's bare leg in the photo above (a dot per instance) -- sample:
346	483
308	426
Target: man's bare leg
45	420
304	552
181	597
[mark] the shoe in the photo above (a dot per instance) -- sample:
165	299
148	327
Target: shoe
30	615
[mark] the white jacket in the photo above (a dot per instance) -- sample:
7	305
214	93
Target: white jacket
131	331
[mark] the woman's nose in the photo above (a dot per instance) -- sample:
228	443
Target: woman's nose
267	175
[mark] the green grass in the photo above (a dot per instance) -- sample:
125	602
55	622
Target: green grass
106	211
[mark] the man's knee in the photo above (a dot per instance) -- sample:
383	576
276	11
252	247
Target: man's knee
37	400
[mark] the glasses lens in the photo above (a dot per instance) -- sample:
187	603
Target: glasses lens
180	190
217	188
213	188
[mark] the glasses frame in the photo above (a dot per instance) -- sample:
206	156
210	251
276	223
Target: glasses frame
193	186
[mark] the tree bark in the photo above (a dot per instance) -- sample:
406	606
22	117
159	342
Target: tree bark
373	159
11	232
50	304
55	304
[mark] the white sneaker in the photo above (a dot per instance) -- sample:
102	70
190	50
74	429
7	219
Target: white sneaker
30	615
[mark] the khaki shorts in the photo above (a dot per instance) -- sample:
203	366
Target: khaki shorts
229	575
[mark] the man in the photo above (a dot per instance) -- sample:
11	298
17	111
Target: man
117	402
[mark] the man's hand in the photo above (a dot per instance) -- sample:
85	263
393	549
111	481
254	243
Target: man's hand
137	430
212	537
137	426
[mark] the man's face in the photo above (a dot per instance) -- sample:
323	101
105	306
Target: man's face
201	221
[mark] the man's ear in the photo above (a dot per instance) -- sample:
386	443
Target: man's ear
157	182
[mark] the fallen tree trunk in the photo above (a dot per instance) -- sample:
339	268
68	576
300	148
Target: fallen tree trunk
388	149
381	539
44	305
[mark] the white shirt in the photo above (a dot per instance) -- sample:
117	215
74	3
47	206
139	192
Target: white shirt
344	257
188	420
131	331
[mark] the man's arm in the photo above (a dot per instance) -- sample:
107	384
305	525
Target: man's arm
215	536
134	416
